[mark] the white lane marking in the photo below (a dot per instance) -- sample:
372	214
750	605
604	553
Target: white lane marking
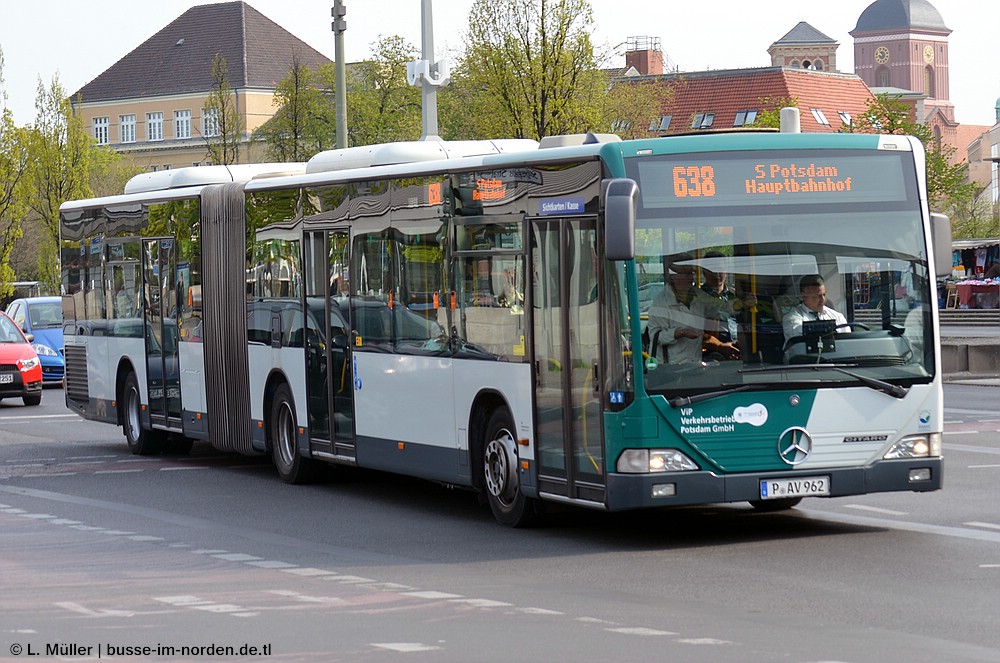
38	516
639	630
904	525
482	603
961	432
989	566
875	509
430	595
703	641
405	647
30	417
145	537
348	580
118	471
176	469
979	467
271	564
238	557
309	571
979	524
539	611
306	598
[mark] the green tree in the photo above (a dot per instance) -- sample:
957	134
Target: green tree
382	106
59	171
223	124
530	68
769	115
632	109
14	161
305	121
946	179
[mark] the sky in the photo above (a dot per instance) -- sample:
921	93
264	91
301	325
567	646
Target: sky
77	41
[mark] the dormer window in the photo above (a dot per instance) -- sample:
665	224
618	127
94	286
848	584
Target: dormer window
703	120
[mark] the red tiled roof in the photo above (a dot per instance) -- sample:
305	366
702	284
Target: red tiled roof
726	92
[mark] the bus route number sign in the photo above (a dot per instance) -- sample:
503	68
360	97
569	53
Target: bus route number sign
694	181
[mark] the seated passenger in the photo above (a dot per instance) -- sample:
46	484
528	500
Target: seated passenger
812	292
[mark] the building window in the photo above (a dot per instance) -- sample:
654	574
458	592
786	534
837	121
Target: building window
126	128
820	117
703	120
209	122
745	117
101	132
182	124
845	117
665	122
882	77
154	126
929	88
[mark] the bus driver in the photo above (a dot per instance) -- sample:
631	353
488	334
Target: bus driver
812	292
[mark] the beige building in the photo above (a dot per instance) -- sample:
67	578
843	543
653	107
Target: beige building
150	105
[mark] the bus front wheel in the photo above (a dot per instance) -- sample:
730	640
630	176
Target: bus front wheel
141	442
291	465
501	475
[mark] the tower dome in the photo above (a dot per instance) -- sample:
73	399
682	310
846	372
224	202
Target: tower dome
883	15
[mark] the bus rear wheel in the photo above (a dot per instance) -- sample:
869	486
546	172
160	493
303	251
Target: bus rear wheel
501	475
291	465
141	442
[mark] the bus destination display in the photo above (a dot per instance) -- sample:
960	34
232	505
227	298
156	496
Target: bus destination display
769	179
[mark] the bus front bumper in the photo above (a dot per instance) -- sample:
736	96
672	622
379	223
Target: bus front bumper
631	491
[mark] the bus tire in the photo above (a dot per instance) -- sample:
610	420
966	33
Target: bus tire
141	442
769	506
501	477
291	465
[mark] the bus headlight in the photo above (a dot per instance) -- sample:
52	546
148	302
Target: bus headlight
646	461
916	446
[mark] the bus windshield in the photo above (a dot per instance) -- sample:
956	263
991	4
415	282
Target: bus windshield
778	268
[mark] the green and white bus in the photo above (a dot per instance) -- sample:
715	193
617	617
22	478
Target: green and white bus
473	313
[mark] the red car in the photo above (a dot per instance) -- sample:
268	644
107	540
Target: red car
20	370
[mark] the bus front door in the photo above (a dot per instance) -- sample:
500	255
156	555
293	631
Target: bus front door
566	336
160	311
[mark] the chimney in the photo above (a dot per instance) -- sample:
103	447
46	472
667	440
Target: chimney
645	55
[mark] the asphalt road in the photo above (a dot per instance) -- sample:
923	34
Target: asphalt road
104	550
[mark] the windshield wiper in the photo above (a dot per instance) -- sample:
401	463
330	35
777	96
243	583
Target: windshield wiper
893	390
681	401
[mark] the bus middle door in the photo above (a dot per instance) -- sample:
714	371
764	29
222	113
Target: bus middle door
161	310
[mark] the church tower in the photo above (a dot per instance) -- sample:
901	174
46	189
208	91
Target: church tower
903	44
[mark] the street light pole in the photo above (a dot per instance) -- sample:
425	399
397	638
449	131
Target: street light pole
426	73
339	26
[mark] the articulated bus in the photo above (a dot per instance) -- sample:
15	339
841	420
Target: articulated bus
476	313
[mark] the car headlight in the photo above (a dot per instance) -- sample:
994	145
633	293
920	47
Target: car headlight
43	350
646	461
916	446
27	364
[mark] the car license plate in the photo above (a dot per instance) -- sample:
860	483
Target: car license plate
6	378
773	489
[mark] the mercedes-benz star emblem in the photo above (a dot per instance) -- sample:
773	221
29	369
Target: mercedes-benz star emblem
794	445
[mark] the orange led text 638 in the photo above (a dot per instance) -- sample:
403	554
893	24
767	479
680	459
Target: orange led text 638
694	181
